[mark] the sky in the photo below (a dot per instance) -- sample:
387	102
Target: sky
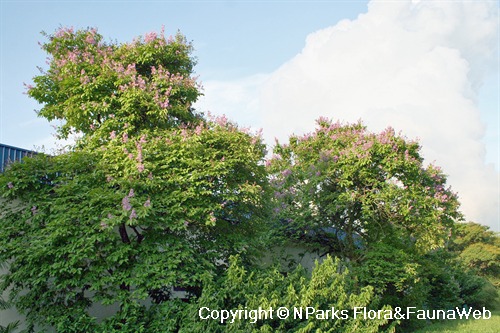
429	69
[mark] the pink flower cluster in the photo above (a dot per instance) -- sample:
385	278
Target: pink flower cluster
150	37
126	203
199	128
153	37
222	120
386	136
64	32
139	158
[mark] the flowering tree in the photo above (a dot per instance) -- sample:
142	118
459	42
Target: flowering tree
154	196
95	86
368	198
343	188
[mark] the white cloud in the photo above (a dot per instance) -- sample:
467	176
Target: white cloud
239	99
413	65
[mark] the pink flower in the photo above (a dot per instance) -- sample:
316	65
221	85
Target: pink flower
85	80
90	39
140	167
131	193
222	120
150	36
124	137
147	203
10	185
164	105
322	120
63	31
276	157
112	135
139	156
133	214
126	204
139	152
198	129
28	86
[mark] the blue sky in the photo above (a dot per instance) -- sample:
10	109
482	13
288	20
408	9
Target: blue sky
427	68
231	39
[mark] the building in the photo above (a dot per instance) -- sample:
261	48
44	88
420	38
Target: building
10	154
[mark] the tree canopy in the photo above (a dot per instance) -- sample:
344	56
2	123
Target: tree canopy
156	196
95	86
342	188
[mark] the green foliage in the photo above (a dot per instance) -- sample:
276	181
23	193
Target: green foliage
344	188
11	327
477	251
431	281
478	248
392	272
153	196
93	227
328	287
369	198
156	196
96	86
476	291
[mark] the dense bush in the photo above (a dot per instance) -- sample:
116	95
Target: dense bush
330	286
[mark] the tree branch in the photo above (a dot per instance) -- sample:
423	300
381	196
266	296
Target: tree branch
124	234
140	236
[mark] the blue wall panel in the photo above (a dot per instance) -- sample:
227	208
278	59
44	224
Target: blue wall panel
9	154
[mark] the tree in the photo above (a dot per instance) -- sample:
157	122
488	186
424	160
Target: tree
478	249
153	196
345	189
370	199
96	87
